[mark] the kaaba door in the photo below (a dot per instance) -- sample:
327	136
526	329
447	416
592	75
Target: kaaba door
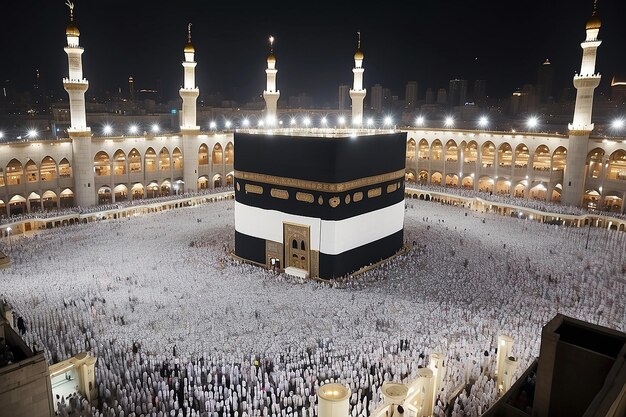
296	241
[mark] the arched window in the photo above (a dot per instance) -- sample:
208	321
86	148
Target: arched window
229	153
164	159
521	156
102	164
203	155
177	159
437	150
15	171
410	149
134	161
65	169
48	169
119	162
32	172
150	160
217	154
302	245
294	244
451	151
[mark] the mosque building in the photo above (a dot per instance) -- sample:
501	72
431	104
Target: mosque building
87	169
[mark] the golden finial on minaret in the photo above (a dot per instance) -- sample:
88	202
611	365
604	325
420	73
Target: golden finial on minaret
69	4
358	42
594	21
271	44
189	49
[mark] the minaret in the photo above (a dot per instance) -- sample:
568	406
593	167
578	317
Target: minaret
188	129
357	93
80	134
585	82
271	94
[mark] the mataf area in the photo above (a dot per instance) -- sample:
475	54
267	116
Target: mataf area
177	325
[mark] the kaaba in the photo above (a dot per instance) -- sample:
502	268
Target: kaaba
322	204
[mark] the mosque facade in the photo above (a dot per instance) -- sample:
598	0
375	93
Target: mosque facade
578	169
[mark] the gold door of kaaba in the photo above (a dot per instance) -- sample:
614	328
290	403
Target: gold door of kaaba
296	241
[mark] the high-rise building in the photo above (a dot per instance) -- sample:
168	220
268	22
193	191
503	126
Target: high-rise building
410	95
131	89
480	92
618	90
344	97
442	96
545	75
376	101
457	92
430	96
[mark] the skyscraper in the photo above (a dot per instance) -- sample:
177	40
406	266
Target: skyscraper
131	89
410	95
376	102
442	96
545	75
344	97
480	92
457	92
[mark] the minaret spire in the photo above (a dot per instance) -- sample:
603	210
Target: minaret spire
80	134
188	129
271	94
75	84
189	93
357	93
581	127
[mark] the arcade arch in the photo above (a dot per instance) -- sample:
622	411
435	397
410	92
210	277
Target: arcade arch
32	172
488	153
102	164
150	160
542	159
617	166
410	149
15	172
48	169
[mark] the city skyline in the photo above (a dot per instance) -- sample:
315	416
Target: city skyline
314	46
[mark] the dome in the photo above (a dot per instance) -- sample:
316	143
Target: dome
189	49
593	22
271	58
72	30
358	54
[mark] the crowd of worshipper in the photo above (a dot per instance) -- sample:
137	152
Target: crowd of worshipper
506	198
180	328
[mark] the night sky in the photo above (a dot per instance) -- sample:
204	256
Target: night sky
430	41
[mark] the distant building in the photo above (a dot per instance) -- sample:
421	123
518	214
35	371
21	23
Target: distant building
376	100
618	90
131	89
301	101
410	95
545	76
480	93
442	96
524	100
344	97
457	92
430	96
